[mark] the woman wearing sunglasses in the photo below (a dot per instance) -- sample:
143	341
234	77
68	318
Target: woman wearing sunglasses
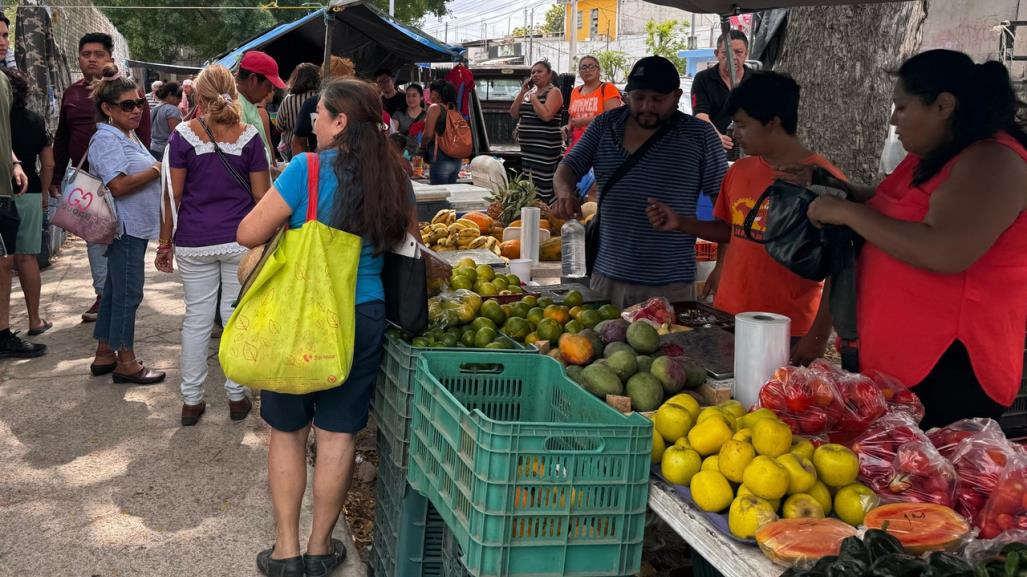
124	164
589	100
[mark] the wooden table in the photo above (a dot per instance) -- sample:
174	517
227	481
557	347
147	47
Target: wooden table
731	558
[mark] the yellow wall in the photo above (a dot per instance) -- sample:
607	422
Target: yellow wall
607	19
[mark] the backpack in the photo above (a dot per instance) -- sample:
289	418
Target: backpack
456	141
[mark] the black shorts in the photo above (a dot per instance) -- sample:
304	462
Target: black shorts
9	223
952	391
343	409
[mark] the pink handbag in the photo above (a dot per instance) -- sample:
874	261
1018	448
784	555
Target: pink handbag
86	207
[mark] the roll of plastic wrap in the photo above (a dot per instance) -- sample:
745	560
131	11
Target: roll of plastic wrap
762	345
530	217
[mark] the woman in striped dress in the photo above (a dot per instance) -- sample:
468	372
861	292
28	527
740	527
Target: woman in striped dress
303	84
538	107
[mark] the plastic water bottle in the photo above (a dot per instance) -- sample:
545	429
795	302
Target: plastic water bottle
572	235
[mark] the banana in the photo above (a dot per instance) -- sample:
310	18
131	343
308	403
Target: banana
453	239
491	242
456	227
469	233
496	251
442	242
440	227
444	216
480	242
469	224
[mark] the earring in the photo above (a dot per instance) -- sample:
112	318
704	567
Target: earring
110	120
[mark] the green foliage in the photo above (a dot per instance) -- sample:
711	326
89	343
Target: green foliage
613	64
523	31
160	35
554	19
666	39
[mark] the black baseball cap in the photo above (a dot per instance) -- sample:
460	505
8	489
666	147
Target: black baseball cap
654	73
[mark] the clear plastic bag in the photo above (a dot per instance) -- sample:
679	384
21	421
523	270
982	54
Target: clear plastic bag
947	439
801	542
979	461
982	550
1006	508
921	527
921	475
658	311
898	397
878	448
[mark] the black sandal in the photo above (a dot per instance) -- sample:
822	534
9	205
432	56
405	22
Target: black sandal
323	565
291	567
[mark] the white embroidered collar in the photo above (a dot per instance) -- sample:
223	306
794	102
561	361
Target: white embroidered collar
201	147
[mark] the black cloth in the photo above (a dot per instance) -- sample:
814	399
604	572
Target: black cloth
29	137
709	96
396	103
952	391
305	125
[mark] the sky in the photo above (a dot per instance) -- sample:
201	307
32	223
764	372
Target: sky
466	16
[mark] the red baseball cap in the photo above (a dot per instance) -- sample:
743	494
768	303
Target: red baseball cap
260	63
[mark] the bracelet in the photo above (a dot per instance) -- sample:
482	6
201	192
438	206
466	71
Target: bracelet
164	243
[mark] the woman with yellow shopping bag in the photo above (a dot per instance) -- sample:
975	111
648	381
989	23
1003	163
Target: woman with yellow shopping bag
362	190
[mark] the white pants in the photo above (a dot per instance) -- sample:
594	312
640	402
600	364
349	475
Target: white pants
201	277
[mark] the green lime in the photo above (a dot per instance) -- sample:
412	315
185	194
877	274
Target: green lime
419	342
514	289
535	315
516	328
468	339
549	330
530	300
513	279
521	310
457	282
573	327
494	312
449	340
485	272
499	345
589	318
484	336
500	283
573	299
609	312
486	289
544	302
480	322
467	272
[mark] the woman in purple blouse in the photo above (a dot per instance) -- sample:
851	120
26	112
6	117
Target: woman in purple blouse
219	169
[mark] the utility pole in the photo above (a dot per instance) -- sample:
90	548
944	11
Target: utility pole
531	38
392	8
446	37
573	40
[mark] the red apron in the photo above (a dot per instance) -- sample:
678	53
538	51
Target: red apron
908	317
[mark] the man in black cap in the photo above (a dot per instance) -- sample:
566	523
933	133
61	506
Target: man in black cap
643	152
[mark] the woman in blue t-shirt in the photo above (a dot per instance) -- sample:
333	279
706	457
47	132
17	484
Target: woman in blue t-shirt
363	190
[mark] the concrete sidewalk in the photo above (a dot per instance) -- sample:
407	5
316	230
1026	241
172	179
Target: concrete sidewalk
100	480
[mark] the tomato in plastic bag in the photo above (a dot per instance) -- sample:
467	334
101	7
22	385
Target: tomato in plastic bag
878	447
947	439
898	397
921	475
656	310
1006	508
979	461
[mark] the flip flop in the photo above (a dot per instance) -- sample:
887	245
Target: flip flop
47	325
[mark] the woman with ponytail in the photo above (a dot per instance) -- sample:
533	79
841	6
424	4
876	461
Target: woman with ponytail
364	190
943	276
218	172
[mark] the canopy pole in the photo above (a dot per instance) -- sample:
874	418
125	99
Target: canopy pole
725	32
326	67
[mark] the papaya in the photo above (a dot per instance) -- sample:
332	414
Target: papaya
920	527
481	219
510	249
551	250
791	541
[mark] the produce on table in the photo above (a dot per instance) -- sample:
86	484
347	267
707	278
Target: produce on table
979	460
921	527
898	397
947	439
1006	508
446	232
505	205
898	461
657	311
802	541
679	465
823	400
645	391
879	554
750	475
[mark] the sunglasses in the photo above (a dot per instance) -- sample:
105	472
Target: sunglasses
588	67
130	105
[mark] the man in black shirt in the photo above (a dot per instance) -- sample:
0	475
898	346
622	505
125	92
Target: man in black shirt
392	99
711	87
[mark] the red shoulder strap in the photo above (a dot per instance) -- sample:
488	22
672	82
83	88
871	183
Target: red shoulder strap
313	165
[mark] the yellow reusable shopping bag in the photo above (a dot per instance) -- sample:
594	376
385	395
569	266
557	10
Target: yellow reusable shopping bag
293	329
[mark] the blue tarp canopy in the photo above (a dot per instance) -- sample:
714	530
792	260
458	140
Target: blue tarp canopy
361	32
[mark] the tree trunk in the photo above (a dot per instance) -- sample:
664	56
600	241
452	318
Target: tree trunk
841	57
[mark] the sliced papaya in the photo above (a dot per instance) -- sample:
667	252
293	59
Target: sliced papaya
790	542
920	527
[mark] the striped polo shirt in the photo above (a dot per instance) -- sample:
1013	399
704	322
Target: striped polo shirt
686	161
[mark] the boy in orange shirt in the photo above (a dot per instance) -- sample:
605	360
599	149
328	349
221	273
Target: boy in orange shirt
765	109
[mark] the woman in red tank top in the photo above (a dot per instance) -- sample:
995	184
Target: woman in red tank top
943	275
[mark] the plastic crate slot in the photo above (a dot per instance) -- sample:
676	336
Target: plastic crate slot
575	444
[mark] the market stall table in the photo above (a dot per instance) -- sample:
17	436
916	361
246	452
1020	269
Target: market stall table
730	558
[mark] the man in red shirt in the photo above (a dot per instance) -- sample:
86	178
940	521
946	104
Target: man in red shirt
75	128
765	110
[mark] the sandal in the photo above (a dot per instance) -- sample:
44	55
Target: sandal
323	565
291	567
47	325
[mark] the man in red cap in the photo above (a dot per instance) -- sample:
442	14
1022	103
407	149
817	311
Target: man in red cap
258	74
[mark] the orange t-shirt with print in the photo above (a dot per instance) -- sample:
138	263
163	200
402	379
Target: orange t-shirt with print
750	279
588	105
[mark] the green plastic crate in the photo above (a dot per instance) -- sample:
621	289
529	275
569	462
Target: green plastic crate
408	531
394	391
532	474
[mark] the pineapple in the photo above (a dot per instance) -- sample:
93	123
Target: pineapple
506	204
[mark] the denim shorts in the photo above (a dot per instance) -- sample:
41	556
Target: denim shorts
343	409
